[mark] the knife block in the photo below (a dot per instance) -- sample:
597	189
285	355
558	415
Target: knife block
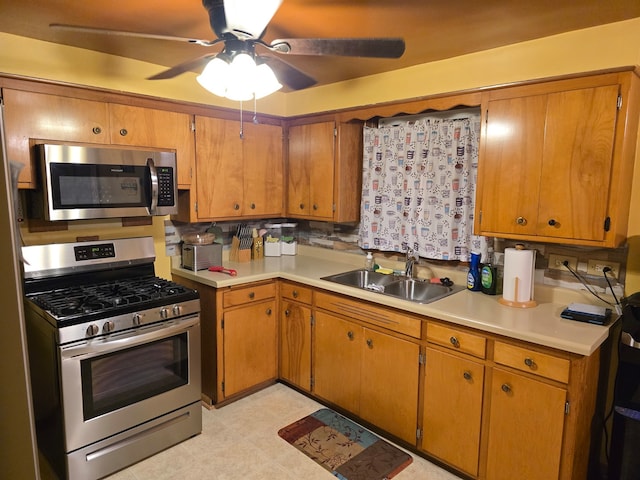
236	254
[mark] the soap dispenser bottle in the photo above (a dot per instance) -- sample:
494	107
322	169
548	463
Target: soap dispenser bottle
368	262
473	277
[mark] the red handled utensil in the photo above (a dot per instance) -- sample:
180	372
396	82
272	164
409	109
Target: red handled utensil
230	271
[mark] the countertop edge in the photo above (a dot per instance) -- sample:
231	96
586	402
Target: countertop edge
470	309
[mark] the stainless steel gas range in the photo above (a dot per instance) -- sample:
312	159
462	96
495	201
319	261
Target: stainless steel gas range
114	355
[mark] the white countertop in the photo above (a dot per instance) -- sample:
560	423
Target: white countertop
541	325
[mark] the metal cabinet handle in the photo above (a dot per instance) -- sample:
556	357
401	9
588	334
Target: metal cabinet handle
295	294
369	343
252	295
315	206
529	362
521	221
287	312
123	132
302	206
268	311
454	341
236	206
467	375
350	335
97	130
506	388
552	223
253	206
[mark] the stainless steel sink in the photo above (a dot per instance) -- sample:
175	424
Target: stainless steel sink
362	279
395	286
419	291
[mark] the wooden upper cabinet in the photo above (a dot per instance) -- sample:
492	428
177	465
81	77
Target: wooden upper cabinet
238	177
325	171
32	117
556	161
49	117
155	128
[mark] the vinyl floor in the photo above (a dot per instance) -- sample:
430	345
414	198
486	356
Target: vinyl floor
240	442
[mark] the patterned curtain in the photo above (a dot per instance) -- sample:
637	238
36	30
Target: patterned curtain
418	190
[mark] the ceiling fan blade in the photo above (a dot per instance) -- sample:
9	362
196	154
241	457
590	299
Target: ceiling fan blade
105	31
181	68
348	47
289	75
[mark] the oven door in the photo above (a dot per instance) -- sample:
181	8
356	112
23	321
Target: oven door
115	383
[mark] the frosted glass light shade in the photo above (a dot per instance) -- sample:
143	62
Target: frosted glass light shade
240	80
250	16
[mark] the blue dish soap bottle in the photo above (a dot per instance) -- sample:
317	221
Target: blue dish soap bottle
473	277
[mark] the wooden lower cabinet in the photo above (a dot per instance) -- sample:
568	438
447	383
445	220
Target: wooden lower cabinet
295	336
452	409
526	422
367	372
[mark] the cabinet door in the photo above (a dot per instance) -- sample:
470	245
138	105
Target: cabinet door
49	117
263	166
219	176
389	384
576	171
511	165
311	170
249	346
295	344
526	423
452	412
337	356
148	127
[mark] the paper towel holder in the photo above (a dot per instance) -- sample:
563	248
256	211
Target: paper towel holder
514	303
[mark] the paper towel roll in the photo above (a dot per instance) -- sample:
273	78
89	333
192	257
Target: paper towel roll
519	269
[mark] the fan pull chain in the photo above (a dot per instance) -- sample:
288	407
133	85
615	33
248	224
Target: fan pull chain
255	116
241	122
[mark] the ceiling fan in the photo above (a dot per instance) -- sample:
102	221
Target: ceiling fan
240	25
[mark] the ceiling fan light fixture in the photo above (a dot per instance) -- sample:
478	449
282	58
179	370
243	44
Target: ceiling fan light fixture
238	78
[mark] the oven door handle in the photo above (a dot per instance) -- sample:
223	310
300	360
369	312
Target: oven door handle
98	346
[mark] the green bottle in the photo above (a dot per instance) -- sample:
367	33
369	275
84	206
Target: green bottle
490	276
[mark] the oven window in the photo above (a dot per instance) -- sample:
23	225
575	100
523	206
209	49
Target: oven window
122	378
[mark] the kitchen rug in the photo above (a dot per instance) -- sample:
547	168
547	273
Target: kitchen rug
344	448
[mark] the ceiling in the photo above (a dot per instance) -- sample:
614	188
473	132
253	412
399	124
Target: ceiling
432	29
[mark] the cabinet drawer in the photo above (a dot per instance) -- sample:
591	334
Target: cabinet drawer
390	319
241	296
296	292
531	361
458	340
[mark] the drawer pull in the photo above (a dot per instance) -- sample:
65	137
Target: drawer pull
236	206
287	312
467	376
252	295
506	388
302	206
350	335
530	363
369	343
97	130
123	132
295	294
315	206
455	342
268	312
253	206
521	221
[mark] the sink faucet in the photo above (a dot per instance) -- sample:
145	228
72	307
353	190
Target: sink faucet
411	258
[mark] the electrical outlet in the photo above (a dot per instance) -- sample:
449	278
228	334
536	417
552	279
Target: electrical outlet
556	262
595	267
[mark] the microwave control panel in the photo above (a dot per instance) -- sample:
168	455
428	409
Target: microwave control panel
165	187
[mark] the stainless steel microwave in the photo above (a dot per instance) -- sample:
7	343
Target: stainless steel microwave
81	182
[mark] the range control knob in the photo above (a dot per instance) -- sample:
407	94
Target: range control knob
177	309
108	326
164	312
137	319
92	330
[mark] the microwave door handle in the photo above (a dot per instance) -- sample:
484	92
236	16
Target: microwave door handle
154	185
